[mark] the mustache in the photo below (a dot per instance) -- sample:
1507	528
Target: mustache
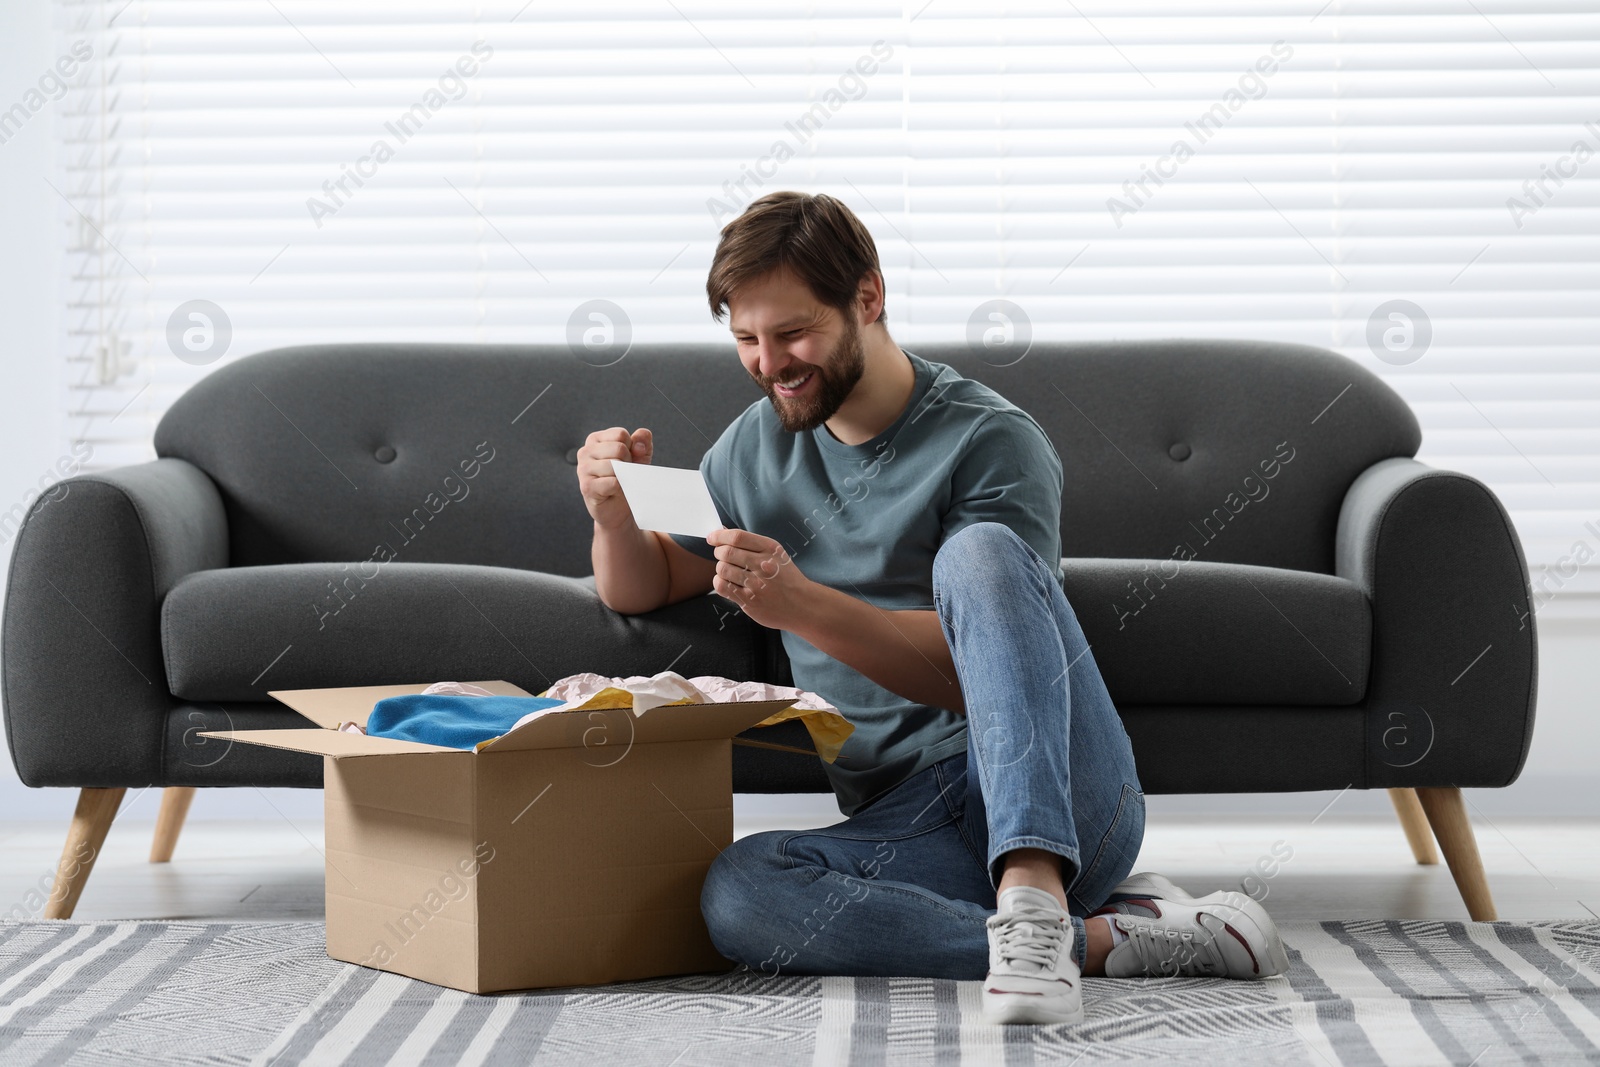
786	377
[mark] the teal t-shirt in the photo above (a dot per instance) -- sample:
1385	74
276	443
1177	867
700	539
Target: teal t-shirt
867	519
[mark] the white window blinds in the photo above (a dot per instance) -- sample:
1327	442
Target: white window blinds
1415	183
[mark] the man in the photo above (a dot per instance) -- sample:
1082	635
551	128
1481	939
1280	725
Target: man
900	525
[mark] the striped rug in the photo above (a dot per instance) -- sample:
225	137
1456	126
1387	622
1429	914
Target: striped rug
265	993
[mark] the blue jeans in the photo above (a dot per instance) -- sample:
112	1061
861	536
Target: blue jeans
903	887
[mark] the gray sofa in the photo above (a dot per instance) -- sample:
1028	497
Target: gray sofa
1343	615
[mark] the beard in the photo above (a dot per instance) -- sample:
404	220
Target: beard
835	379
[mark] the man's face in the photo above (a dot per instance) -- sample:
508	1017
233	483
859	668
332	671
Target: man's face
784	335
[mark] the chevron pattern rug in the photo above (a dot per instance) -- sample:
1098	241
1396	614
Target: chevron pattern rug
1357	993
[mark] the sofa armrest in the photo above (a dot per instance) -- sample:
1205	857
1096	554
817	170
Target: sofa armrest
1450	701
84	688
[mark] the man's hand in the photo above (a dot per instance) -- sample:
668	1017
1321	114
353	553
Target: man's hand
904	651
597	481
757	574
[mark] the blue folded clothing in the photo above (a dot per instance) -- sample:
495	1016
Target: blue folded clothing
451	721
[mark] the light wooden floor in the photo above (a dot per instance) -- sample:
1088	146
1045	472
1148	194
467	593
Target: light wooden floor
1336	868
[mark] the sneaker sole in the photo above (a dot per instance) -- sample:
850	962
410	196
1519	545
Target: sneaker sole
1010	1009
1247	907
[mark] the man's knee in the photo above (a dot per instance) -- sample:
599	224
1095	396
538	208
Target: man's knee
965	552
735	899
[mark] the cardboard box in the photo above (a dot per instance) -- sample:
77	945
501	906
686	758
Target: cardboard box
570	851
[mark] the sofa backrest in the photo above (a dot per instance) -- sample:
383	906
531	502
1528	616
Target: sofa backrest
1241	450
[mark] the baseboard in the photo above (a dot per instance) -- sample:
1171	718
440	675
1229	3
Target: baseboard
300	806
1531	796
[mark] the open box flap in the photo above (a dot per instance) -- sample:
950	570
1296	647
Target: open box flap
330	707
335	743
616	728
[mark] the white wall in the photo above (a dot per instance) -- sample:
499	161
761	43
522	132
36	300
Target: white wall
1562	775
30	404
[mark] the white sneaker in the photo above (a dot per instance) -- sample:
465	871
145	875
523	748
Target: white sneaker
1222	934
1033	977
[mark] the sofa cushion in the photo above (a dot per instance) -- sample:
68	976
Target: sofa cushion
1197	632
467	453
236	633
1161	632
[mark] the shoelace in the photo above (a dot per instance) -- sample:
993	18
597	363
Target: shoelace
1166	952
1033	938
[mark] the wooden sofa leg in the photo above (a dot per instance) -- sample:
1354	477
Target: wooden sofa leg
1447	814
1415	823
91	820
175	801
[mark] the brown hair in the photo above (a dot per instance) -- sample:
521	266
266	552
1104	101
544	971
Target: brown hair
817	237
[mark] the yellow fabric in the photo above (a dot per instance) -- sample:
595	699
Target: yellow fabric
612	697
828	729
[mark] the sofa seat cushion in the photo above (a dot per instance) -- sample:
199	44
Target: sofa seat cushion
1198	632
238	632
